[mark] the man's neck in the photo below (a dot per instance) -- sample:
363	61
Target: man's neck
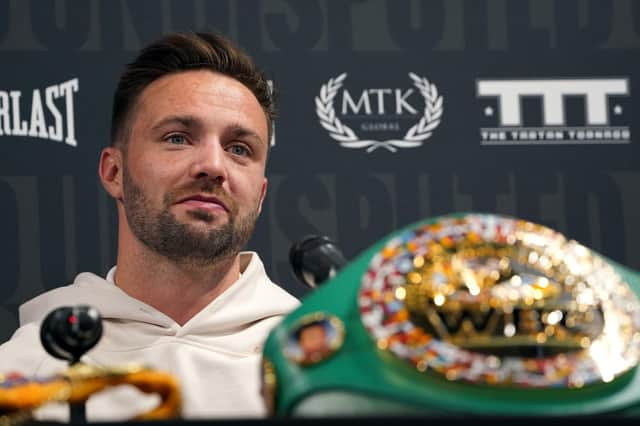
179	291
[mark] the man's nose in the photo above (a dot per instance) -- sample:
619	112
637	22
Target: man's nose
210	161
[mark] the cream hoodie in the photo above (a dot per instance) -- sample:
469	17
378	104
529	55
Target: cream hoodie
215	355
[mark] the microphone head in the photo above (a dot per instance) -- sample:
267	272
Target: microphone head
71	331
315	259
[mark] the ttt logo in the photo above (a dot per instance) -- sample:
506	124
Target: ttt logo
552	95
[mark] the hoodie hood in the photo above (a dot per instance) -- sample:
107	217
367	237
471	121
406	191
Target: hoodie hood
252	298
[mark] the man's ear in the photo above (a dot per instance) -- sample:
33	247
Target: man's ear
110	171
264	192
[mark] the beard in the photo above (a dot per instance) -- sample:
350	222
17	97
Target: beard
181	242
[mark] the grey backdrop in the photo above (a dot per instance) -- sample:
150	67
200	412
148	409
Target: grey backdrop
56	220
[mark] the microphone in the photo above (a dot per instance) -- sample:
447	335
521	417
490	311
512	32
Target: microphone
315	259
69	332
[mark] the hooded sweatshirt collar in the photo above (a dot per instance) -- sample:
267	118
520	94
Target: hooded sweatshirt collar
252	298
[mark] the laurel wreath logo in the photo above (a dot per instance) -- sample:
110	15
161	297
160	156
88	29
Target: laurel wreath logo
414	137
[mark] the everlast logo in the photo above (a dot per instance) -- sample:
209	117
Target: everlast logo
51	116
377	110
553	95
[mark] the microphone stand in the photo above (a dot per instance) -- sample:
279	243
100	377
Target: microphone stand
78	413
77	410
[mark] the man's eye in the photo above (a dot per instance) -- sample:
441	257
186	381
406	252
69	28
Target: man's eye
238	150
177	139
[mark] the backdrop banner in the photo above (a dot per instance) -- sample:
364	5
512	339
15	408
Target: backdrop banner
390	111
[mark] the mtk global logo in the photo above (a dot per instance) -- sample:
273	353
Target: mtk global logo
594	126
51	113
376	112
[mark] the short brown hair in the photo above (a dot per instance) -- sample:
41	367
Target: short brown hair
179	52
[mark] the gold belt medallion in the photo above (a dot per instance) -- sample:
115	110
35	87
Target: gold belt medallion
494	300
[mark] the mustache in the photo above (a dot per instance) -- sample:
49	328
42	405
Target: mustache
206	187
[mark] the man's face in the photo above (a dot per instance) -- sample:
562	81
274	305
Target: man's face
193	170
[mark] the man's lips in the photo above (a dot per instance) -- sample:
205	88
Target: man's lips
206	202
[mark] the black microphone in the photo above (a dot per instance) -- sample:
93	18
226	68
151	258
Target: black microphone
315	259
70	331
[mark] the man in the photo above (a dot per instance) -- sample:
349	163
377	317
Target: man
190	136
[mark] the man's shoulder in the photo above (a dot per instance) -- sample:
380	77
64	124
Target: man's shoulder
24	353
35	309
266	289
280	293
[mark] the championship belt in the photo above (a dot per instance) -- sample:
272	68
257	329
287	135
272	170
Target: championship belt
463	314
19	396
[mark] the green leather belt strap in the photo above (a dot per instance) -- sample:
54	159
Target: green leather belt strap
573	342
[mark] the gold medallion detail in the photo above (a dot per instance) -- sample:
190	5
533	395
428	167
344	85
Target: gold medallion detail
314	338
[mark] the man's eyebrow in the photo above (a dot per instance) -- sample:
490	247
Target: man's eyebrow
240	131
187	121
